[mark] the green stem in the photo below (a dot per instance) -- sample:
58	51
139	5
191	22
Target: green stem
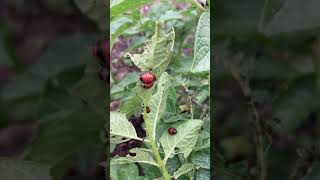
154	148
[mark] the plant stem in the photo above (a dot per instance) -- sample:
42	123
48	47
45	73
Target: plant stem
154	148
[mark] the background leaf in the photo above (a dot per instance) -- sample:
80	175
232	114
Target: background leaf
201	61
50	64
289	16
120	6
95	10
185	168
18	169
125	172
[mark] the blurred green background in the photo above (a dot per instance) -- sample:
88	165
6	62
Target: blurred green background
268	50
52	103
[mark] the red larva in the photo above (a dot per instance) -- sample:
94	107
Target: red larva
172	131
147	79
148	109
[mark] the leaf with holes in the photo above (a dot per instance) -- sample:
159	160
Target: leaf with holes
157	52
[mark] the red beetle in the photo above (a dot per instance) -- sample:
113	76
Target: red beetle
172	131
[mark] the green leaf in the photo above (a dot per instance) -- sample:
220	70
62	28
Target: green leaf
288	16
172	98
158	102
18	169
60	138
203	141
121	6
141	156
95	10
56	102
129	104
60	55
173	164
201	159
169	117
150	171
201	61
118	26
184	169
203	174
92	90
157	52
202	95
60	134
129	79
182	142
121	129
237	17
125	172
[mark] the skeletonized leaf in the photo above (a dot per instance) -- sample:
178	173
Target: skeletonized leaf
157	52
185	168
158	102
140	157
121	129
182	142
201	61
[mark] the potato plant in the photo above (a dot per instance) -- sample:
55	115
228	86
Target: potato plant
159	119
